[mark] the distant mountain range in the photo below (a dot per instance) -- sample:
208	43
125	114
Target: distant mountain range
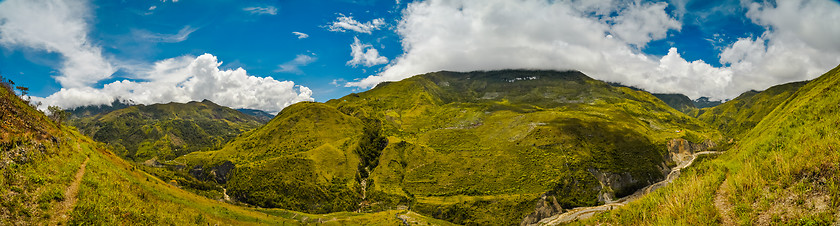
262	116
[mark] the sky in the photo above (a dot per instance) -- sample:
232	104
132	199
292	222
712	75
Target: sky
267	55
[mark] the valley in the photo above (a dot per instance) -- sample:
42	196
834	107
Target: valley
420	112
439	148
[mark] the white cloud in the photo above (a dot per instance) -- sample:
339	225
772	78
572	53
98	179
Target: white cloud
345	23
259	10
185	79
182	35
338	82
300	35
365	54
60	27
293	66
640	23
800	44
602	39
152	7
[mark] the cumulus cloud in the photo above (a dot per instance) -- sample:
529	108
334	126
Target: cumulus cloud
259	10
185	79
347	23
300	35
602	39
800	43
56	26
364	54
293	66
640	23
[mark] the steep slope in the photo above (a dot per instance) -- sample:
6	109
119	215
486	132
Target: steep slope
306	158
28	137
53	175
501	139
783	171
477	147
737	116
166	131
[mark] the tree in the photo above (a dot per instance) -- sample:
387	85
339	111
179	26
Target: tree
57	114
23	90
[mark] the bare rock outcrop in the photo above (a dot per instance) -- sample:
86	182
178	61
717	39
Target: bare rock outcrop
218	173
680	150
547	206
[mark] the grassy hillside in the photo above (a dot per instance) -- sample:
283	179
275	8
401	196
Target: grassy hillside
736	117
53	175
476	147
166	131
28	137
783	171
307	158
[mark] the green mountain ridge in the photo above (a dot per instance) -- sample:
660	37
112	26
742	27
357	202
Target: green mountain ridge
739	115
165	131
430	143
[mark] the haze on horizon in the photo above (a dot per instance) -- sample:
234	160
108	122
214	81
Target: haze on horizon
269	54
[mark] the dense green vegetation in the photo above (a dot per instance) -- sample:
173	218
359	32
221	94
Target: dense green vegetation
307	158
165	131
530	131
497	139
40	160
468	148
782	171
738	116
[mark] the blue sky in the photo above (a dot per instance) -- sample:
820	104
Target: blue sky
157	51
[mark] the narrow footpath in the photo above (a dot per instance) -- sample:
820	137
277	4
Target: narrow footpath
70	198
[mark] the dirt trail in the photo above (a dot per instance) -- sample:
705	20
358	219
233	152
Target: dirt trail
69	196
586	212
722	205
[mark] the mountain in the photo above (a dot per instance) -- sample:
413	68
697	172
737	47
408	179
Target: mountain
90	110
704	102
53	175
781	171
166	131
260	115
739	115
470	148
677	101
